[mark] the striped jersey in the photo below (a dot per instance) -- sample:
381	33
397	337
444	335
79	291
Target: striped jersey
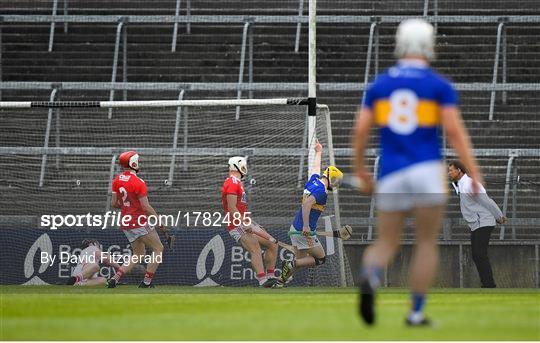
314	187
406	101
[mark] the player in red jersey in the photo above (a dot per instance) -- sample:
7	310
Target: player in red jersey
129	193
243	229
90	258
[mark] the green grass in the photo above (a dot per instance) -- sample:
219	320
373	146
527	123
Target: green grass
187	313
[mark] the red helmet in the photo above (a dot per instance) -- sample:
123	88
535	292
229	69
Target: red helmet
129	159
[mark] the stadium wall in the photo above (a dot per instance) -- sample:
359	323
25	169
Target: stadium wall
515	264
209	257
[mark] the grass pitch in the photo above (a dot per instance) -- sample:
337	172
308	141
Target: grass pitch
188	313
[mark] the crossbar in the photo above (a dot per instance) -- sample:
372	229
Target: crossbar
152	103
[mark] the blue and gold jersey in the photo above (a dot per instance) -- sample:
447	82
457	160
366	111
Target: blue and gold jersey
314	187
406	102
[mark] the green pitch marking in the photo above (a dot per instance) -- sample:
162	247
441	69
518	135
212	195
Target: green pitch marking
187	313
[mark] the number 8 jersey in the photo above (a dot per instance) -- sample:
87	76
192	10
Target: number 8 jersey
129	188
406	102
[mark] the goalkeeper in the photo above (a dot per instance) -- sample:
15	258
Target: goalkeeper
310	252
86	271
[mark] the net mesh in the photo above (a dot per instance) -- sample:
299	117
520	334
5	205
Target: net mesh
273	138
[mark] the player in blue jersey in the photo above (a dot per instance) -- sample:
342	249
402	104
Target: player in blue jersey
310	252
409	103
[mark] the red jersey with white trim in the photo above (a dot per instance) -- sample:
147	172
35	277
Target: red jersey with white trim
233	185
129	188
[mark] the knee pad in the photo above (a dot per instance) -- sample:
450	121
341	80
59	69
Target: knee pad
319	261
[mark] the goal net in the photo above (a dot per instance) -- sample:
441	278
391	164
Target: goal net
59	159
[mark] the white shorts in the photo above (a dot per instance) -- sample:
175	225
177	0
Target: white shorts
88	257
133	234
239	231
302	242
420	185
79	268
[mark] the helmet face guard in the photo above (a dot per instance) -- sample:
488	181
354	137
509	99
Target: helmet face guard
334	177
134	162
129	159
239	164
335	182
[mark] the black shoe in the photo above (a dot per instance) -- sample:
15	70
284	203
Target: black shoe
111	283
269	283
279	284
143	285
423	322
367	302
71	281
490	286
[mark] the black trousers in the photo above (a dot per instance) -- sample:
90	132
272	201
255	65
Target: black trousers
479	245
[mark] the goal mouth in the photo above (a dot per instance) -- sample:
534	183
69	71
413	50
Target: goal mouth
64	161
71	144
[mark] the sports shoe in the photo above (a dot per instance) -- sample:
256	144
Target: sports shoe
286	270
367	302
279	284
269	283
111	283
422	322
143	285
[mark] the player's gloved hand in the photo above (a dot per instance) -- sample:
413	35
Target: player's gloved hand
501	220
345	232
169	237
306	231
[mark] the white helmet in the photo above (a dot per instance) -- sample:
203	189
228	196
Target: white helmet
239	164
415	37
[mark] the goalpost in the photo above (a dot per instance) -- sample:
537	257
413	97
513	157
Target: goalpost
184	147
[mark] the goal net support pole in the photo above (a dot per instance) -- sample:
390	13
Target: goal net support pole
312	111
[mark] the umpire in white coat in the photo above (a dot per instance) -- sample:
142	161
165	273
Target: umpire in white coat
481	213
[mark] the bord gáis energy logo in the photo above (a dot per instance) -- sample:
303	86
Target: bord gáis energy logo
43	244
217	247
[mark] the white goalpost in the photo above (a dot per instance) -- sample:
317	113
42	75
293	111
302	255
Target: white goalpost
312	98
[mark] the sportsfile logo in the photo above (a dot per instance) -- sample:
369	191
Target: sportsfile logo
116	219
44	244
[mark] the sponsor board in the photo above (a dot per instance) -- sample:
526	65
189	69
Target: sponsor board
202	257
